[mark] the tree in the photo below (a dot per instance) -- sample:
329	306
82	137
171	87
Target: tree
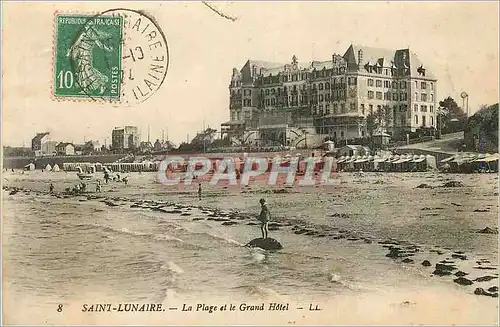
387	116
371	123
452	117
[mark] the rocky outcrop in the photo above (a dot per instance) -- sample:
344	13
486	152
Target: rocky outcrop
265	244
488	230
463	281
453	184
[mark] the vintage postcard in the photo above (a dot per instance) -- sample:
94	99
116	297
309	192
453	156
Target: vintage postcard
250	163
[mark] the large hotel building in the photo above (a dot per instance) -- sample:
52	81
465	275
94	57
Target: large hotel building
300	105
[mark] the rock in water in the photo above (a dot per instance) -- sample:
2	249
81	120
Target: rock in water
265	244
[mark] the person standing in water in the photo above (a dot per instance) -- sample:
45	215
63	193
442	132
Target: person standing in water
98	186
199	191
264	218
51	188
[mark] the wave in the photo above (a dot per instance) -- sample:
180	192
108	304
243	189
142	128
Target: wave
126	231
222	238
172	267
258	291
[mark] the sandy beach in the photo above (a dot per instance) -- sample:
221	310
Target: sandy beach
356	249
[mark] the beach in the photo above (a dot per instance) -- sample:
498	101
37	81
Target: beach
354	249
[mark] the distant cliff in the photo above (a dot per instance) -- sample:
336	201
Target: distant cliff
481	133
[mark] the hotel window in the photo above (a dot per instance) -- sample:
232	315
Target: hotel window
362	109
233	115
416	120
386	71
378	83
423	108
314	86
370	107
370	82
387	84
267	102
327	97
415	107
432	86
378	108
273	101
432	97
370	94
379	95
403	84
416	96
424	97
320	86
327	86
352	81
273	91
335	108
321	97
247	115
267	91
342	107
423	85
416	84
395	97
352	106
327	107
432	121
394	85
431	108
423	121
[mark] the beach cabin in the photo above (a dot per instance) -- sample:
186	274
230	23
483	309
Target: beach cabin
29	167
353	150
486	163
381	138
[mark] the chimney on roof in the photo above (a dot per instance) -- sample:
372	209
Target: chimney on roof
334	59
360	57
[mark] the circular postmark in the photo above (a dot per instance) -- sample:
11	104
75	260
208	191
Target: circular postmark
120	55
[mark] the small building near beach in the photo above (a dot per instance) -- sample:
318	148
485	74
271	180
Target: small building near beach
65	149
353	150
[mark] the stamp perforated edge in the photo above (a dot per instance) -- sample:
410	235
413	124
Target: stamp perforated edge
84	99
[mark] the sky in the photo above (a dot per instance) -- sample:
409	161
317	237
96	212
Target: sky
458	41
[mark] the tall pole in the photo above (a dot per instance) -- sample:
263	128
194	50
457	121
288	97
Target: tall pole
204	135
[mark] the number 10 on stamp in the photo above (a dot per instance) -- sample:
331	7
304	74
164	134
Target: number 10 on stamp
87	56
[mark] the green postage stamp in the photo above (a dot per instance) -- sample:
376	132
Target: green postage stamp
88	56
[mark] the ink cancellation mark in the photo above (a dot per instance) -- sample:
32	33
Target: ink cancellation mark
128	64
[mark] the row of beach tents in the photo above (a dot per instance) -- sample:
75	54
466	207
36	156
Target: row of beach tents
471	162
393	162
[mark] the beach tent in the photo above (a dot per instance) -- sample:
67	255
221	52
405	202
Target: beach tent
30	166
48	167
55	168
448	159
